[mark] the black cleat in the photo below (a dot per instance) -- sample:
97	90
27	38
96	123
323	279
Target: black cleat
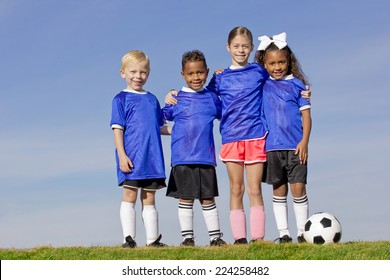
241	241
301	239
217	241
130	243
157	243
283	239
188	242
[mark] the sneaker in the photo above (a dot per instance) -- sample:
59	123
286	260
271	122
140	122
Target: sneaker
217	241
188	242
283	239
301	239
241	241
130	243
157	243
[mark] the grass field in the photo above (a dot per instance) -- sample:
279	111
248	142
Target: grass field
260	251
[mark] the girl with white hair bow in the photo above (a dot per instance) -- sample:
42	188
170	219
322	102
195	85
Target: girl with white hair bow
288	119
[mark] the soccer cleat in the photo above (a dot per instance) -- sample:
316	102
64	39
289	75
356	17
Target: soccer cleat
130	243
301	239
157	243
241	241
188	242
283	239
217	241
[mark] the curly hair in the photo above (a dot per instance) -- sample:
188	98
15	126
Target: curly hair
294	67
193	56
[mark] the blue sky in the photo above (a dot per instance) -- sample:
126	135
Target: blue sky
59	71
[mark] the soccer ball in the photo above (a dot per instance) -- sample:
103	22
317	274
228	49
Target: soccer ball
322	228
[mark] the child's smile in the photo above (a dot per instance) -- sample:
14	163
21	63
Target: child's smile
195	74
276	64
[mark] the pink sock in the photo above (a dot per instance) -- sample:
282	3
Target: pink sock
257	222
238	223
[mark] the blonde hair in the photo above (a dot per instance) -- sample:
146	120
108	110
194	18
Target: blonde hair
240	30
134	56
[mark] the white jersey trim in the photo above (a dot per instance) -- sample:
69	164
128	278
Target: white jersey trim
118	126
305	107
134	91
187	89
288	77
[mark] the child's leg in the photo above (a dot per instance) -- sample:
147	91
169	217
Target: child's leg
127	212
211	217
149	216
254	174
237	189
280	209
186	218
301	205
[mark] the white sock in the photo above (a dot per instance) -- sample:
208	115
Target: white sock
281	214
150	218
186	219
301	209
127	217
210	214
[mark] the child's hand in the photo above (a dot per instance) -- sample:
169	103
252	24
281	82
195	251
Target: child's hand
125	164
218	71
169	99
306	93
302	151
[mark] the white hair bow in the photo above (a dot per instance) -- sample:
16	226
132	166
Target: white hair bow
279	40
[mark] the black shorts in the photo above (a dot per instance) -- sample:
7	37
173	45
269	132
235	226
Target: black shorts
193	181
284	167
147	184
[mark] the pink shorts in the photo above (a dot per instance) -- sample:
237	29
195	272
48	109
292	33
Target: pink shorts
248	151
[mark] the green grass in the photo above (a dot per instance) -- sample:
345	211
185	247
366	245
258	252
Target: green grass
259	251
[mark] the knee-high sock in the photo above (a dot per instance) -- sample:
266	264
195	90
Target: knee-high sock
301	209
281	214
238	223
257	222
186	219
210	214
150	218
127	217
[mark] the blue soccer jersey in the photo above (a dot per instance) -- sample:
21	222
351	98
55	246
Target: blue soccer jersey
241	94
282	105
192	133
140	117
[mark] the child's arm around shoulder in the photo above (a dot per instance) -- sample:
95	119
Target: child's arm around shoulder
218	105
167	115
306	93
170	99
304	89
215	81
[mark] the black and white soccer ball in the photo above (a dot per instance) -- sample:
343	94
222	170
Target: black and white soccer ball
322	228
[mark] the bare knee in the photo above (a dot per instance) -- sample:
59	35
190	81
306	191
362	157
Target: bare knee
254	191
148	197
207	201
129	195
280	190
237	190
298	189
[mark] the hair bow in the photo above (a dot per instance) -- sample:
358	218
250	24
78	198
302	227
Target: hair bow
279	40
